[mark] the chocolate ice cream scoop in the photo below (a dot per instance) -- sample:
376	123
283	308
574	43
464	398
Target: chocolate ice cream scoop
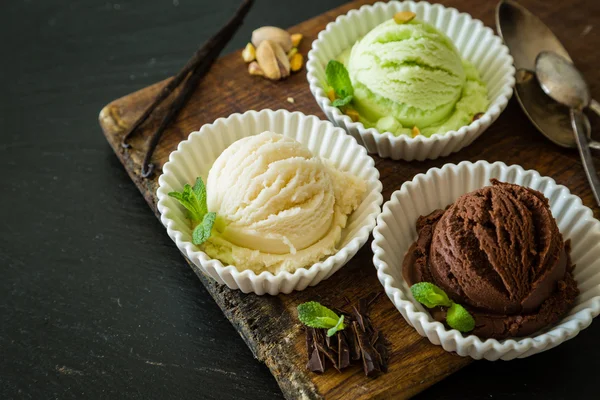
497	251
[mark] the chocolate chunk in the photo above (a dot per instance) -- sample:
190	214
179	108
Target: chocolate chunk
332	343
353	346
359	341
316	363
343	351
329	354
375	337
310	343
385	356
370	360
328	340
358	317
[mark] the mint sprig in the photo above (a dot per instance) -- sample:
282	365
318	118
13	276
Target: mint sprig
338	327
339	79
430	295
457	317
203	229
194	200
315	315
342	102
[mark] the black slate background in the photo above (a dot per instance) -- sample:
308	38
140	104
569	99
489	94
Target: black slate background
95	300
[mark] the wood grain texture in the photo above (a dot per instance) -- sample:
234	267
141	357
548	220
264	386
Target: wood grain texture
268	324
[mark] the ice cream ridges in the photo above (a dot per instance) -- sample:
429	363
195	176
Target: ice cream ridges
279	208
409	78
499	253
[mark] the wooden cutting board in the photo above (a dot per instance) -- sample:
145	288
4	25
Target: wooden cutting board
269	324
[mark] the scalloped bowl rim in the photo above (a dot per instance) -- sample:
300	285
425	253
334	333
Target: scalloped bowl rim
538	341
328	263
494	109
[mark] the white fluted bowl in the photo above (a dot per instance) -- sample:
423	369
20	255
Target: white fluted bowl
195	156
395	232
475	42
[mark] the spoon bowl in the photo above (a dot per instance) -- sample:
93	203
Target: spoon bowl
561	80
526	36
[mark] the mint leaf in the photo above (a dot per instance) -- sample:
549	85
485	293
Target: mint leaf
342	102
189	201
200	192
315	315
339	79
338	327
194	200
459	318
430	295
203	229
190	196
176	195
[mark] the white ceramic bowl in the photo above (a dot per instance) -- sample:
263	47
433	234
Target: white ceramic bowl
475	42
195	156
396	231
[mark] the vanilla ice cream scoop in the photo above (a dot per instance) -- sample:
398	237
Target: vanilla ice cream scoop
278	206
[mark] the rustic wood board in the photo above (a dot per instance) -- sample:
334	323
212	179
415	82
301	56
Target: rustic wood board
268	324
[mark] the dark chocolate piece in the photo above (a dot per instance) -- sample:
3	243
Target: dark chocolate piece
358	317
343	351
316	362
359	341
375	337
353	346
310	342
326	351
331	342
385	355
370	361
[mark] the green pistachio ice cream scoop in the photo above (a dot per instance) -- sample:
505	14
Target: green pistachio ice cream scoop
411	74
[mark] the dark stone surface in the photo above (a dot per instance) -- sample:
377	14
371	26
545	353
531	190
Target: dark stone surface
95	300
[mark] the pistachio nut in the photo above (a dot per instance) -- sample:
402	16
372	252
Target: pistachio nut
404	16
272	60
255	69
296	62
249	53
273	34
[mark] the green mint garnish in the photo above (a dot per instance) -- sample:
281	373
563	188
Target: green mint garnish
342	102
200	192
194	200
338	327
430	295
202	230
457	317
315	315
339	79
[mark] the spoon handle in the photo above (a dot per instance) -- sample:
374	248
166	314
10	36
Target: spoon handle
586	157
595	107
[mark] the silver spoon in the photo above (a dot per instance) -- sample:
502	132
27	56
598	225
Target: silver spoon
526	35
564	83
